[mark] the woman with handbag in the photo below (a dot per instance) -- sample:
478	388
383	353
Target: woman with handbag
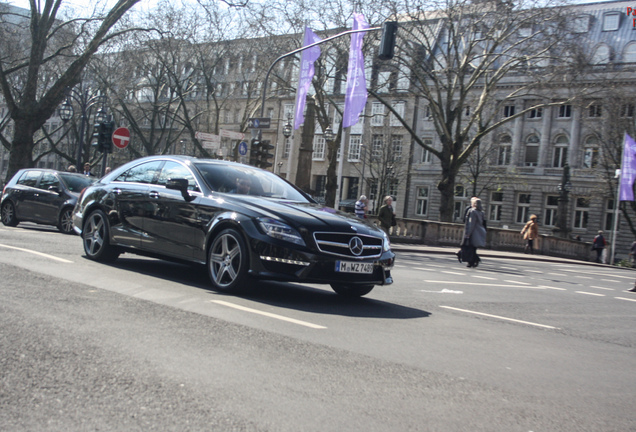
474	233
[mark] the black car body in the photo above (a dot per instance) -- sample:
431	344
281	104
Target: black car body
43	196
190	209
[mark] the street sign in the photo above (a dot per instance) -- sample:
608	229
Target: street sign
259	123
231	134
121	137
242	148
207	137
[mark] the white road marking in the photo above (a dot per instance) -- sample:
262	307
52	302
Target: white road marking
552	288
484	277
517	282
623	298
37	253
516	285
611	280
268	314
454	273
603	288
501	318
589	293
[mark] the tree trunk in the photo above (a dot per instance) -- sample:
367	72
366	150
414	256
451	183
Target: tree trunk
446	187
332	176
21	155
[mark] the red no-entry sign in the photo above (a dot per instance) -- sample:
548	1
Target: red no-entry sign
121	137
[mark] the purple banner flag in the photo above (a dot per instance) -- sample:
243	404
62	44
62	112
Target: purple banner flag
628	170
307	59
356	96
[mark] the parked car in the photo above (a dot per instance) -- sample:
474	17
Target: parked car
43	196
242	222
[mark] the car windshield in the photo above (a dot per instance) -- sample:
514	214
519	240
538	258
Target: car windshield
243	179
76	183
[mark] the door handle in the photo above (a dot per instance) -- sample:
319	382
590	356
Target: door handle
117	191
153	194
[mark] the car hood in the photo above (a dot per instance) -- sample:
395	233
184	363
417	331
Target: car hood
315	217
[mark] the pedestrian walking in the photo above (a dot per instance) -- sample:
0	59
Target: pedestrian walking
386	215
598	245
361	207
530	232
474	234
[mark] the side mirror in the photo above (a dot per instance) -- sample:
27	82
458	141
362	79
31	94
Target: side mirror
54	189
181	185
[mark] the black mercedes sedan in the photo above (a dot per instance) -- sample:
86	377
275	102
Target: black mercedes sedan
243	223
43	196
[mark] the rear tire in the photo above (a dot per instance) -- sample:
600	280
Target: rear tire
65	224
8	214
228	261
352	290
96	238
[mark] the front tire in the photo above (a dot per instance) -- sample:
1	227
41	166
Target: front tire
8	214
352	290
228	261
65	223
96	238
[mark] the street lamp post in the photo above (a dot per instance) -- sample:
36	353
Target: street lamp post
85	100
564	189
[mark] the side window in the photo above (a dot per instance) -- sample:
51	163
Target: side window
143	173
48	180
176	170
29	178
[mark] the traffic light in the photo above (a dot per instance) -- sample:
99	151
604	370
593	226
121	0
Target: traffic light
107	137
103	136
387	42
255	152
265	155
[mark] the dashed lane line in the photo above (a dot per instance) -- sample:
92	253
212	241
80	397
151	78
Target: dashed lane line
589	293
37	253
603	288
627	299
501	318
515	285
268	314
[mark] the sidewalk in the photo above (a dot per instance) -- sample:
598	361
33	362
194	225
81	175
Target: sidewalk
487	253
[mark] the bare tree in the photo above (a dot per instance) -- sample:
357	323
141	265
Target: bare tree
59	51
465	61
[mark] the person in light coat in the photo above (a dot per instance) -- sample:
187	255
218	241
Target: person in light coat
474	233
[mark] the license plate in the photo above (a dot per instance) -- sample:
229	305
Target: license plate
353	267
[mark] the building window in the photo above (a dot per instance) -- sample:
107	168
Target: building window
377	144
505	150
377	114
508	110
287	148
594	111
611	21
319	148
355	144
601	55
496	206
581	212
535	113
396	143
581	24
629	53
427	156
627	110
523	208
532	151
321	186
590	152
421	201
551	209
399	108
560	158
609	215
565	111
461	202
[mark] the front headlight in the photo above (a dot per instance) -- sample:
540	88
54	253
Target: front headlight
281	231
386	244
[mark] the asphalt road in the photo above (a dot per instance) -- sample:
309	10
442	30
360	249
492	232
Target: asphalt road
145	345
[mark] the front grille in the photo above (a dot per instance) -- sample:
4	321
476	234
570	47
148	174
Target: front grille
338	244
